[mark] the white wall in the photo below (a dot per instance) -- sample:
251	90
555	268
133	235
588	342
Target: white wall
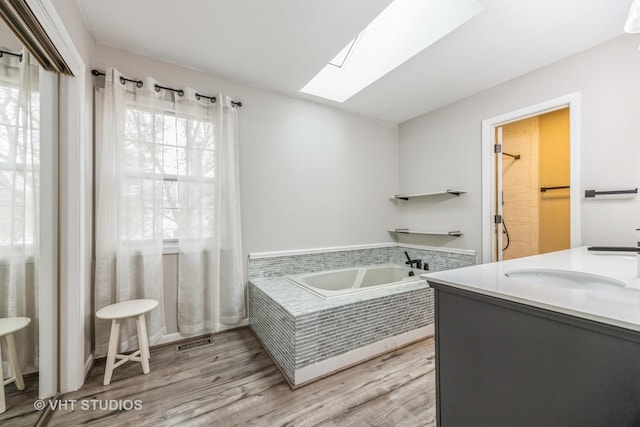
441	149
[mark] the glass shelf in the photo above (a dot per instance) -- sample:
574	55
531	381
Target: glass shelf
438	193
433	233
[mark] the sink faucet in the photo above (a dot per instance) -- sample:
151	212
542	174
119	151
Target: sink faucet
633	249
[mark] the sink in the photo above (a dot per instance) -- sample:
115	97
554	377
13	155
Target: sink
564	279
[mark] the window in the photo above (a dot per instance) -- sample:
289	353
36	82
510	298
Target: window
19	163
169	175
401	31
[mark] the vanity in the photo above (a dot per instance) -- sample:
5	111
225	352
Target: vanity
548	340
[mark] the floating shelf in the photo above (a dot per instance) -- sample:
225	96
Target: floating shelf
438	193
433	233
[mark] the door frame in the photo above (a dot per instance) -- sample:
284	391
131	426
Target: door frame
62	303
489	170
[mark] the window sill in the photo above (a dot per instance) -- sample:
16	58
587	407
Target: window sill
170	249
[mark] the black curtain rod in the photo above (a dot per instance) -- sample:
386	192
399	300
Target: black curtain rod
138	83
157	87
210	98
4	52
178	91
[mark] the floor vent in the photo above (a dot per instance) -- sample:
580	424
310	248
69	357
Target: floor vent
205	342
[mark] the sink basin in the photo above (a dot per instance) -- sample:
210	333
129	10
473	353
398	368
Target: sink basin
564	279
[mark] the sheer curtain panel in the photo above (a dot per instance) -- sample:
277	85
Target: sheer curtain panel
129	203
210	275
167	178
19	202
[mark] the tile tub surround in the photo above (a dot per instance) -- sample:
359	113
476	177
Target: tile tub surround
275	265
310	337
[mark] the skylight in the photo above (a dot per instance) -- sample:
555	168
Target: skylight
404	29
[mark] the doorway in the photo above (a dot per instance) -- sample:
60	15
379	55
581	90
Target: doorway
533	189
530	201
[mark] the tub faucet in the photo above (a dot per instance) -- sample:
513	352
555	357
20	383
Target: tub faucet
410	262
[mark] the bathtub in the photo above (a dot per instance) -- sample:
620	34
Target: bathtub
333	283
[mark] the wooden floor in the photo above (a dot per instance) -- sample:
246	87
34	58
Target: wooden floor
20	411
235	383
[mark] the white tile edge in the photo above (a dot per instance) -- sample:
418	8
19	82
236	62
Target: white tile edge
438	249
328	366
276	254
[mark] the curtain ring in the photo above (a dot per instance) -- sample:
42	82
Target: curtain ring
139	84
181	92
122	80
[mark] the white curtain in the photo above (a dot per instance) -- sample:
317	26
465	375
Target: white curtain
210	275
129	203
167	175
19	202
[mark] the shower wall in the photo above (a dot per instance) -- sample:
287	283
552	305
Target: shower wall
520	179
536	221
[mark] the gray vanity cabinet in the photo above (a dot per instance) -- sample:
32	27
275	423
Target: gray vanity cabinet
501	363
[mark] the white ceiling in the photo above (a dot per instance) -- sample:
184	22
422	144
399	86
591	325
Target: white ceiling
281	44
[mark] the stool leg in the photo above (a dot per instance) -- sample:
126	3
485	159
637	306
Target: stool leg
112	351
143	342
13	362
3	406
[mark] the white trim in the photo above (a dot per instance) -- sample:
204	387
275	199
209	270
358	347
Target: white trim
170	249
88	364
48	251
74	248
264	255
438	249
74	244
261	255
52	24
350	358
488	170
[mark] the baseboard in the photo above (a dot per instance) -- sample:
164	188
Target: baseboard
177	336
88	366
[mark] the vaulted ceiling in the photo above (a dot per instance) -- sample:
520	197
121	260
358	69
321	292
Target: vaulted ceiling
280	45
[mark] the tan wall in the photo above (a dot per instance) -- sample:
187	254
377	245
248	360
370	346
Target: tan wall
537	222
554	171
519	185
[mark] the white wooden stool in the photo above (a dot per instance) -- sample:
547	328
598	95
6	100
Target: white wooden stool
122	310
8	326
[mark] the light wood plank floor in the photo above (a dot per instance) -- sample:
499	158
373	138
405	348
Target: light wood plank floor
234	383
20	411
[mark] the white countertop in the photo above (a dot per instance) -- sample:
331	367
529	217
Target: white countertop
618	306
